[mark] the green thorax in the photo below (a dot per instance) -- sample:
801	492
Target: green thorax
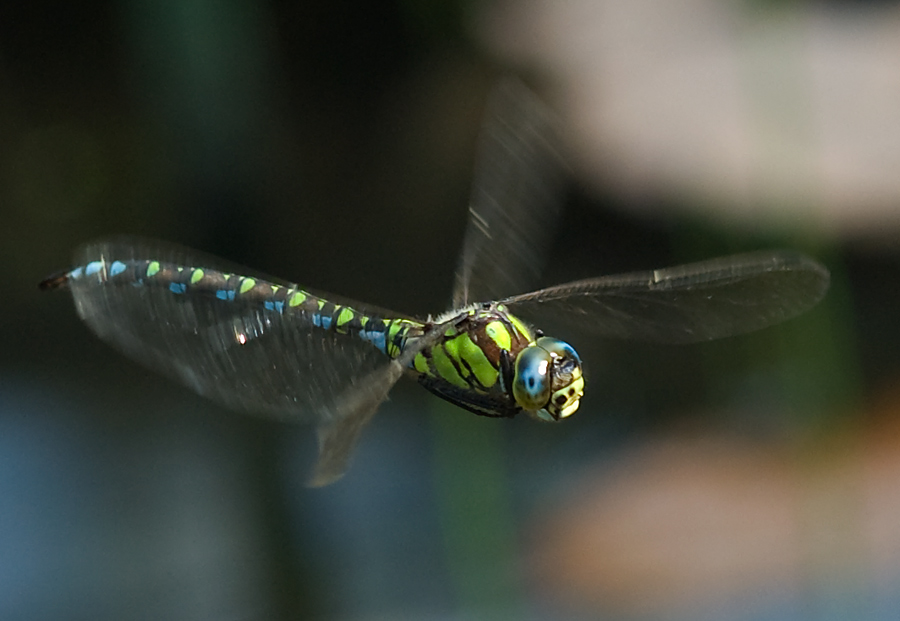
472	364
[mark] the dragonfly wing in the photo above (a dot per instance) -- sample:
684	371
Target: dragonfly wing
237	352
515	199
354	409
688	303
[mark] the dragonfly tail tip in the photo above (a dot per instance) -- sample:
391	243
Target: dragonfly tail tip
57	281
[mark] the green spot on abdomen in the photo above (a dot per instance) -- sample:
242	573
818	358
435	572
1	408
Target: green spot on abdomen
196	276
152	268
297	299
345	316
247	284
393	329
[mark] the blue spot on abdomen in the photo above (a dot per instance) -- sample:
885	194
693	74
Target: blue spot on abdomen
322	321
375	337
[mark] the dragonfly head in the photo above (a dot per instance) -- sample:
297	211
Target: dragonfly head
548	381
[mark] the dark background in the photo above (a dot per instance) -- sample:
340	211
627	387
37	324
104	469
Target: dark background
332	144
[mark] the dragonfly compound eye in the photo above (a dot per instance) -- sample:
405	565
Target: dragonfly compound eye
548	383
531	385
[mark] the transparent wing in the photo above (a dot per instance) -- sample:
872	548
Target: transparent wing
355	407
238	353
684	304
515	198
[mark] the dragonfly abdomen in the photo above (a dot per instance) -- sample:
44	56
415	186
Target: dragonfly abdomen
388	335
189	281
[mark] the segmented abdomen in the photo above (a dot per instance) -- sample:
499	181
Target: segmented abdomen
388	335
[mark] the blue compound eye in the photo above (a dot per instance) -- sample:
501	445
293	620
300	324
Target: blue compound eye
531	385
561	349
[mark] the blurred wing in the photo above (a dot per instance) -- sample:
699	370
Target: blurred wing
684	304
236	352
355	407
515	198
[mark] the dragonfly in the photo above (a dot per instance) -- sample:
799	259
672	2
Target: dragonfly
259	344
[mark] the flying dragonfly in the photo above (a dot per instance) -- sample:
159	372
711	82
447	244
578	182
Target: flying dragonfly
259	344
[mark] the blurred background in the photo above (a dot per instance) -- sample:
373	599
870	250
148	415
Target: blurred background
332	144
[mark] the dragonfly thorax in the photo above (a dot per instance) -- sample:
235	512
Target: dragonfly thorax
488	361
548	382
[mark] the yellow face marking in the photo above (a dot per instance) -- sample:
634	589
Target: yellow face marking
297	299
152	268
247	284
196	276
572	397
569	410
499	334
576	388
